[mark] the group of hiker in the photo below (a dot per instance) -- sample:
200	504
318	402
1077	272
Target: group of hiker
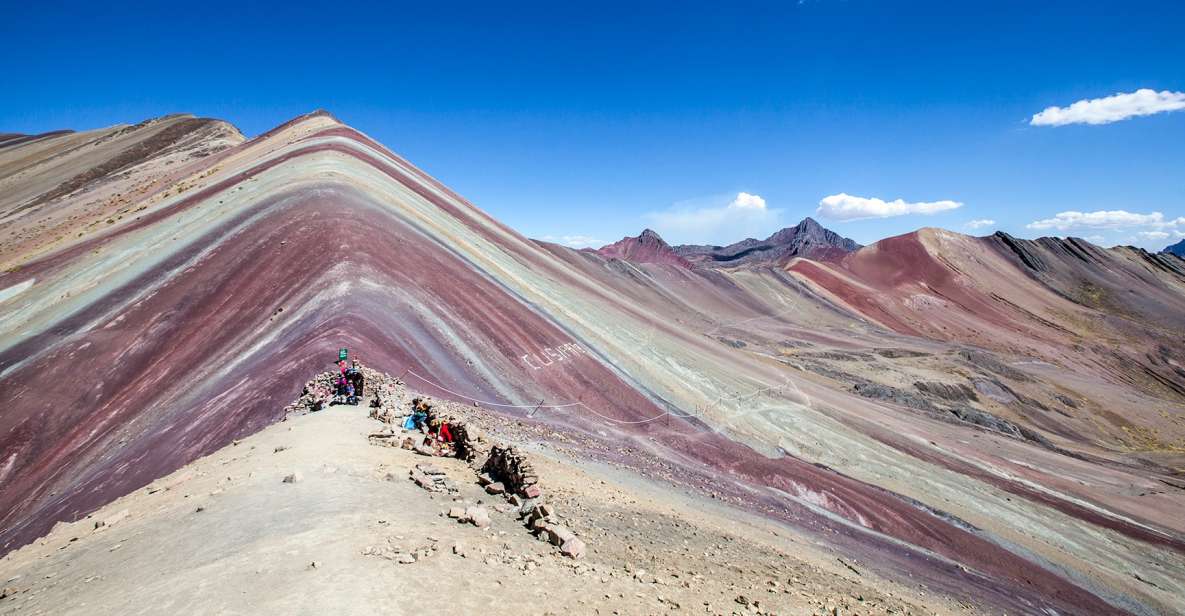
438	439
348	387
349	382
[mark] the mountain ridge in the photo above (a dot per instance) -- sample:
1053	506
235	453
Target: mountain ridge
806	239
646	247
1016	381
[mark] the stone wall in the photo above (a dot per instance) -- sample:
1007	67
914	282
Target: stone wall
510	467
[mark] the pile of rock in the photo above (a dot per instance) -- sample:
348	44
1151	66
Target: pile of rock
432	478
398	553
381	391
508	470
541	521
315	396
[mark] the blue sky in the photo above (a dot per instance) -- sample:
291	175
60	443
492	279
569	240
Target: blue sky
592	123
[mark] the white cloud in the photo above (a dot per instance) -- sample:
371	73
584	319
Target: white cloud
745	201
1095	239
979	223
714	219
575	241
847	207
1106	219
1112	108
1155	235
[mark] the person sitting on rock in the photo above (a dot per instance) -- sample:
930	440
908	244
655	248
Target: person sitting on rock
440	429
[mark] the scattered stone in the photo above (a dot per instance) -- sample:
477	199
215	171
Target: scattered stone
433	482
280	448
496	488
456	513
430	469
294	477
117	518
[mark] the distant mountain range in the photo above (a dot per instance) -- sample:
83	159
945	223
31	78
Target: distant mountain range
1177	249
806	239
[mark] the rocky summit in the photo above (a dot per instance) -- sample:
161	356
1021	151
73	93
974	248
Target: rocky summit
297	374
806	239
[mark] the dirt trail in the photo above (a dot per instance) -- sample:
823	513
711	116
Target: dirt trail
226	535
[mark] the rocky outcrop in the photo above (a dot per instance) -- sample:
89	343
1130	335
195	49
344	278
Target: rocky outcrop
958	392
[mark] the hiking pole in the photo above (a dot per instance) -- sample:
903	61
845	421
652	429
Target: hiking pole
532	411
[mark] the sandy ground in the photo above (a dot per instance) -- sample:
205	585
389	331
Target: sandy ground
226	535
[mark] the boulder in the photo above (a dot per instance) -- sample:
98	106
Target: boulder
573	548
557	534
495	488
478	516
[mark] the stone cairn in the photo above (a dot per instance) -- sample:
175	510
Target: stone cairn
381	392
508	472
